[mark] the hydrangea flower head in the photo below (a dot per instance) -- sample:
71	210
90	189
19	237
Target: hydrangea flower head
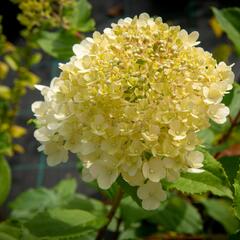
130	102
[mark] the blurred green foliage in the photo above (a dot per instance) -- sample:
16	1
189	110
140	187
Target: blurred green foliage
52	26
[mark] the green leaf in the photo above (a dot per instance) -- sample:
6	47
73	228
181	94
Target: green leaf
5	180
112	191
79	16
9	229
234	106
5	236
131	212
5	143
236	200
178	215
57	44
228	19
231	166
235	236
33	201
35	59
63	222
222	211
128	234
227	99
11	62
175	214
213	180
207	136
88	204
129	190
66	188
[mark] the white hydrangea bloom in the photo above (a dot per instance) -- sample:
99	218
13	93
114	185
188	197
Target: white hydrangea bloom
130	102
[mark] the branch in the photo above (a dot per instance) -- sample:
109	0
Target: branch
225	136
111	214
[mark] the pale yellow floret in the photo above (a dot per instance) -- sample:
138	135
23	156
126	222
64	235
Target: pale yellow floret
151	194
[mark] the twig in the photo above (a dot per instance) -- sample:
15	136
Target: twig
234	123
111	214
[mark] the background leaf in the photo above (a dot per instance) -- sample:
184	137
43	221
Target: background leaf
33	201
5	180
228	19
129	190
222	211
63	222
79	16
57	44
231	166
131	212
9	230
178	215
234	106
236	200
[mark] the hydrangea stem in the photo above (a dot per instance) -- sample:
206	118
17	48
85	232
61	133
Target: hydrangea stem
225	136
115	205
233	125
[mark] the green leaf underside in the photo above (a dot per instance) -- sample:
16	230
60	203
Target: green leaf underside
5	180
213	179
228	19
222	211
